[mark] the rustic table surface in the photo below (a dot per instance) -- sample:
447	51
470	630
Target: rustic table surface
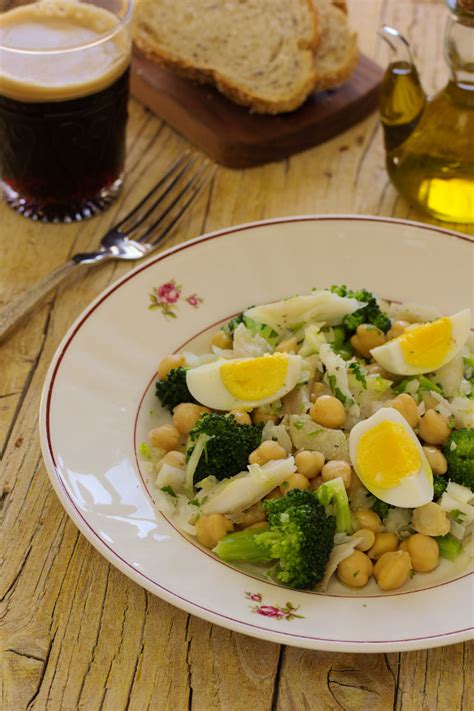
76	633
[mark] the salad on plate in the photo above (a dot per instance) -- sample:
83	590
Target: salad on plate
325	434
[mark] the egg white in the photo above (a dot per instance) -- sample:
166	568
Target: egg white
390	355
206	386
412	491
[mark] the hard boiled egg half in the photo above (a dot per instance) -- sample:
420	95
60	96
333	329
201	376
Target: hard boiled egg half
425	347
389	460
244	382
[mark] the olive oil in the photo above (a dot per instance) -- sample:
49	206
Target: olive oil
430	144
434	167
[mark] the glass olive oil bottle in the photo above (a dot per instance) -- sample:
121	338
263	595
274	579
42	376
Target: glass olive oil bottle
430	144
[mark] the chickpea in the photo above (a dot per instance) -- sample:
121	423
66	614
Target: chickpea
356	484
221	339
368	539
267	451
262	415
294	481
367	337
423	552
328	411
186	415
316	483
336	468
242	417
288	346
259	524
384	543
317	390
431	520
406	406
403	546
436	460
366	518
168	363
255	514
397	329
355	570
174	459
274	493
309	463
392	570
434	428
429	400
210	529
165	437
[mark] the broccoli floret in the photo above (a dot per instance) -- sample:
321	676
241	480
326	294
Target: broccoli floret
459	452
173	390
340	290
381	508
333	496
439	486
227	451
370	313
299	539
449	547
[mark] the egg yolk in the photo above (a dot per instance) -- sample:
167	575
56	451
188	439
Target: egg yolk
386	454
427	346
255	378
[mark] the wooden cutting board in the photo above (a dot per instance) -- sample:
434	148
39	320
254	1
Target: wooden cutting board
231	134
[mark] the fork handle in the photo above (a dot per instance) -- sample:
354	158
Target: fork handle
13	312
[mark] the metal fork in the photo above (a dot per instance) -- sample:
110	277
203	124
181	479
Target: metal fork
139	233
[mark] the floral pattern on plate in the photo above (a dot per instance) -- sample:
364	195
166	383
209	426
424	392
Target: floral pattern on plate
277	612
166	297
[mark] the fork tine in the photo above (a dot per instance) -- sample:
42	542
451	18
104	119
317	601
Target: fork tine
163	211
160	200
192	189
179	166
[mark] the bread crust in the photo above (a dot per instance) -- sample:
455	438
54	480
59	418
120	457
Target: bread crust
341	4
331	80
315	80
239	94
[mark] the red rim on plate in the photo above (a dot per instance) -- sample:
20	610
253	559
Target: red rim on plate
406	643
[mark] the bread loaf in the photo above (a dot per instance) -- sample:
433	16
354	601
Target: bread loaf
265	54
337	53
257	52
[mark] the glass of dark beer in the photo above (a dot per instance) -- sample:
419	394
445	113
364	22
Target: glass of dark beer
64	73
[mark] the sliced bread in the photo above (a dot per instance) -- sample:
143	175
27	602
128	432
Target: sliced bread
260	53
337	53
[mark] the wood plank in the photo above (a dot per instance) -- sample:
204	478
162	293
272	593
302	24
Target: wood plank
77	634
317	680
232	135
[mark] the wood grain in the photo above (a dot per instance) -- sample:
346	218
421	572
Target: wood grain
74	632
233	136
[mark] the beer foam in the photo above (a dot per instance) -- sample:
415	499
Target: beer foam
98	50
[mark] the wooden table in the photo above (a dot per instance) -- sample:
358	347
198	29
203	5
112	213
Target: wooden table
76	633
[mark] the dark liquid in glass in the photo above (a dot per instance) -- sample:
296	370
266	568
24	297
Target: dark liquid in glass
64	157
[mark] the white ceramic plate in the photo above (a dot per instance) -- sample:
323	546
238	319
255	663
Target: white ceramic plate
98	404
